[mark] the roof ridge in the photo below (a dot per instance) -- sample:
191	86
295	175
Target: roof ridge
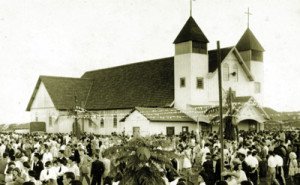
229	47
64	77
158	59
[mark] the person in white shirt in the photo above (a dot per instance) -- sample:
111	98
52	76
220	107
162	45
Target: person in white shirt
279	169
106	163
252	161
271	175
241	174
61	169
48	172
73	167
204	152
47	156
2	148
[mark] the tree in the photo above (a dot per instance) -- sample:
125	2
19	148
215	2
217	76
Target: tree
231	129
141	160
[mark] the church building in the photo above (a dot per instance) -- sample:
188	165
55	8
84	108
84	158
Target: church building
162	96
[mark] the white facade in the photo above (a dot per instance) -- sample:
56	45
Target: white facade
189	66
193	65
136	121
43	110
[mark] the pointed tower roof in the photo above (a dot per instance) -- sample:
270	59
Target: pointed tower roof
249	42
190	32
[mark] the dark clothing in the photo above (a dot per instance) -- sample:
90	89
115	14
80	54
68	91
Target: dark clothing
211	174
97	170
89	149
37	168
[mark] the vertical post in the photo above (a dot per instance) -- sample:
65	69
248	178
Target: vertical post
191	7
220	106
198	125
229	101
76	126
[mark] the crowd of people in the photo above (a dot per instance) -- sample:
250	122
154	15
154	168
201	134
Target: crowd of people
62	159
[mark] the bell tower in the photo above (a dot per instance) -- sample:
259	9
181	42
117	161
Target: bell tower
252	53
190	65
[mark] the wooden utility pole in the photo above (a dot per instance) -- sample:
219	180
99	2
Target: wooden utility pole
220	106
76	126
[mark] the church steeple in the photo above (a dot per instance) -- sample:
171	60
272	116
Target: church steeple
191	39
191	32
249	42
190	66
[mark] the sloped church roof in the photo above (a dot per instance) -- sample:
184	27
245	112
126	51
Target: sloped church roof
191	32
143	84
249	42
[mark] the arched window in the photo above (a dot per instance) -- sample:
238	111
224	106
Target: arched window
235	72
225	72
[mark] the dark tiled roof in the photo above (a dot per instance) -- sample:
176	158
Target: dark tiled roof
62	91
213	60
146	84
241	99
249	42
163	115
191	32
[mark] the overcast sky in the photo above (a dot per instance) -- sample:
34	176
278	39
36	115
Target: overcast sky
69	37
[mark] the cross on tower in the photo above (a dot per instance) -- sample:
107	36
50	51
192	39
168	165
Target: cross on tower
248	15
191	7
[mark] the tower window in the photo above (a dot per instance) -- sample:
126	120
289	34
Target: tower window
199	47
115	120
182	82
225	72
257	87
101	122
200	83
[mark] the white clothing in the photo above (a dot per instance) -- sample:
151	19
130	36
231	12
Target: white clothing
279	160
47	174
251	161
242	176
75	170
106	163
61	170
47	157
272	162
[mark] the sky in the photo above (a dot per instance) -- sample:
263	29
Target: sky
69	37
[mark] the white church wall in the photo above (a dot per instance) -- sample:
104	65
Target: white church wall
136	119
242	86
190	66
199	69
257	68
182	69
43	108
108	118
161	127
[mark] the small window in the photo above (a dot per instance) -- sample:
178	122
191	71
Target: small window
234	73
50	121
101	122
185	129
225	72
90	123
115	121
36	117
257	87
182	82
200	83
